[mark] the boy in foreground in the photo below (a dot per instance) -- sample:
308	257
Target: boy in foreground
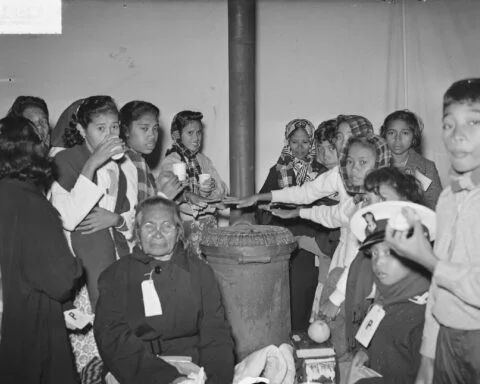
451	338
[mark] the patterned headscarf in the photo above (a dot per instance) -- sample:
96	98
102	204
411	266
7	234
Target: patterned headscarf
358	124
326	131
187	156
383	158
288	166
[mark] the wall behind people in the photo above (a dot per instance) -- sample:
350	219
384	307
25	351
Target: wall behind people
171	53
316	59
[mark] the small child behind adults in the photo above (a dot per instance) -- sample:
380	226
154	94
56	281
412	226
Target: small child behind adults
451	337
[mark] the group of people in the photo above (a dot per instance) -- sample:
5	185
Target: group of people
86	228
374	283
76	199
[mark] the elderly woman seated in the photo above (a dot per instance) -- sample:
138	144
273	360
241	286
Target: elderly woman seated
160	302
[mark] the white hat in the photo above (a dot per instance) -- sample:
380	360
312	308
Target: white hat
369	223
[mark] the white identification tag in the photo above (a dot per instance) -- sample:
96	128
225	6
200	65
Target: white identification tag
424	180
151	301
76	319
369	325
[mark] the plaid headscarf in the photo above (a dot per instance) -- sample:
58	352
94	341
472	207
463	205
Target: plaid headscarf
146	181
383	158
358	124
288	166
186	156
326	130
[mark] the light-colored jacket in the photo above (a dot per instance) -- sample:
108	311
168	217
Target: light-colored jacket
454	298
206	165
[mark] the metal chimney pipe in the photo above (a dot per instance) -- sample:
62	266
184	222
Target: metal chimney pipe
241	65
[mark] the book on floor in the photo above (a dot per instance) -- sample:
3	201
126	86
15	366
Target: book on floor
305	347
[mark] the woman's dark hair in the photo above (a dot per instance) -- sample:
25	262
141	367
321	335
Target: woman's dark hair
326	131
466	91
88	109
21	103
23	155
407	186
413	123
161	201
181	120
132	111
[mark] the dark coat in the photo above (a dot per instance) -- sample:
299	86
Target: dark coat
427	168
192	324
395	348
39	273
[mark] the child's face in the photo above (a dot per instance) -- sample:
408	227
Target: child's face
102	126
388	268
142	134
399	137
192	136
461	135
360	161
299	143
344	132
385	193
327	154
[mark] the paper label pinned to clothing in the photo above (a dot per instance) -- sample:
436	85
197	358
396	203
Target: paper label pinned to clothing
369	325
424	180
151	301
77	319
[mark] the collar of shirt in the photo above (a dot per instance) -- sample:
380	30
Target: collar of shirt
466	181
179	257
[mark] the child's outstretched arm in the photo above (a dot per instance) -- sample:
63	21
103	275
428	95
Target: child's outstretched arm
330	216
324	185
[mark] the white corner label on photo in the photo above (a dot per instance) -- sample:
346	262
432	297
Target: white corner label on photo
18	17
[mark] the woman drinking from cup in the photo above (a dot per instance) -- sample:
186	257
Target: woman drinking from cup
99	224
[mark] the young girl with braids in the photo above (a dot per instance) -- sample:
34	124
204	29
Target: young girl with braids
197	201
99	224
